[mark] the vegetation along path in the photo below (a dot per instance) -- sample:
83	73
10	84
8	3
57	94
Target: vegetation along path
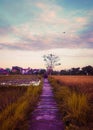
46	115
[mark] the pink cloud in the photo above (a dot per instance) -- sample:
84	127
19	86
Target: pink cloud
81	20
41	5
91	39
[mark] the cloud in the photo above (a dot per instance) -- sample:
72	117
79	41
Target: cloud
50	26
48	12
45	42
87	34
5	30
23	38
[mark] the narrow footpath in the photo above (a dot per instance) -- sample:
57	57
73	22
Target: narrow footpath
46	115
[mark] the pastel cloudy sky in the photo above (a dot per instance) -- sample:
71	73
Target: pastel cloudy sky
31	28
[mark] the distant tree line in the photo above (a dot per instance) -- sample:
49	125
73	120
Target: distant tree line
87	70
19	70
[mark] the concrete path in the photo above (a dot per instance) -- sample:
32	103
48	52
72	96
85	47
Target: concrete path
46	116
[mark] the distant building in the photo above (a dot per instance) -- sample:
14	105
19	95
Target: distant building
16	70
3	71
25	71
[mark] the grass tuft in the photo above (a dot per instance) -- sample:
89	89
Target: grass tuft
16	115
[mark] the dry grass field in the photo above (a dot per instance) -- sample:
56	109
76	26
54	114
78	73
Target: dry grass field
74	95
10	94
82	84
17	102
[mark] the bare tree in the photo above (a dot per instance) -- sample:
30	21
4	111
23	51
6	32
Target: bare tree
51	61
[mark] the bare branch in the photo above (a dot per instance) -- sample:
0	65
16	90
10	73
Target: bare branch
51	61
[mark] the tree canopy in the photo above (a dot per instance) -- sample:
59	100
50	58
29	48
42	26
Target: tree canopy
51	61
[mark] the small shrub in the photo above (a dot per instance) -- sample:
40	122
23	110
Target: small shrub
78	107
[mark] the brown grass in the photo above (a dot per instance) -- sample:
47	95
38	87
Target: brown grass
74	95
83	84
17	102
17	77
10	94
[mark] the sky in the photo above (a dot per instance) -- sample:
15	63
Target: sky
30	29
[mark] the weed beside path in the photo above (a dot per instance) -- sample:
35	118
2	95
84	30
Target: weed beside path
74	106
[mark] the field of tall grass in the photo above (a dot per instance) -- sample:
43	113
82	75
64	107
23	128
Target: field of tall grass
78	83
10	94
74	96
17	103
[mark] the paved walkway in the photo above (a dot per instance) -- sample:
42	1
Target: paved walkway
45	116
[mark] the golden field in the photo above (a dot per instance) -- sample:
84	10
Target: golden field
82	84
17	102
74	95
